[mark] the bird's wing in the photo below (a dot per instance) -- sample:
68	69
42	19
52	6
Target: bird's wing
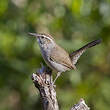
76	54
60	56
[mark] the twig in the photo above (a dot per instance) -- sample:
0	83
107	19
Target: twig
80	106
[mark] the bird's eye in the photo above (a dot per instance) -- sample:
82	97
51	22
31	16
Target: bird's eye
42	37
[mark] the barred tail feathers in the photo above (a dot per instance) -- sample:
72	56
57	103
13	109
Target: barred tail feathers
76	54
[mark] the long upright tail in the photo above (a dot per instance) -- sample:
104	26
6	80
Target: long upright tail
76	54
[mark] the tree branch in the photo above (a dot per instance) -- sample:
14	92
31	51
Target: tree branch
42	80
80	106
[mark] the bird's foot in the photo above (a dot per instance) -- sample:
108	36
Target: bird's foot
52	85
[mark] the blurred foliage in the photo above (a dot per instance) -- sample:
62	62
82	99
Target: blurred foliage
73	23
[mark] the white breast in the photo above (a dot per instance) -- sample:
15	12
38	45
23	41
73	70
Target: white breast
53	65
58	67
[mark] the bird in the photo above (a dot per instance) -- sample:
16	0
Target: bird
57	58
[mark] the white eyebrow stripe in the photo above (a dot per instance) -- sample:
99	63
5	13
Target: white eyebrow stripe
48	38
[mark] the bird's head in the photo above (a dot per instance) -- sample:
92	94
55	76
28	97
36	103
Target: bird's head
43	39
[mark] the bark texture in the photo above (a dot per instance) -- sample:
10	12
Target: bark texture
80	106
42	80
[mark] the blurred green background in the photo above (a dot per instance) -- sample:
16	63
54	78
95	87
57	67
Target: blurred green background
72	23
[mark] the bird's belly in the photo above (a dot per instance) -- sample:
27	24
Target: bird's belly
53	65
58	67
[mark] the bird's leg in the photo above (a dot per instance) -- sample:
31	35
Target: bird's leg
58	74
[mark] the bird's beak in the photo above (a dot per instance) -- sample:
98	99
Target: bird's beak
34	34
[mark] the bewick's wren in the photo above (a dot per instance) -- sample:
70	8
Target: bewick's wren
56	57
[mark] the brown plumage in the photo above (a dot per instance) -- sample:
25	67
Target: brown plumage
59	55
56	57
76	54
